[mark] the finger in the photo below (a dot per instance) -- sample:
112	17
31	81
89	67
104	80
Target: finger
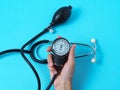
51	64
51	74
49	49
71	54
50	61
58	36
52	69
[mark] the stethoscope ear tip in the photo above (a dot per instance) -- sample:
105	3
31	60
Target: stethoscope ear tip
93	60
93	40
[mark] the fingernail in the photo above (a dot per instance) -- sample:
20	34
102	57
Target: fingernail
74	45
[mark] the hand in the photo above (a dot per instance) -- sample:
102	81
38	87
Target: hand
64	80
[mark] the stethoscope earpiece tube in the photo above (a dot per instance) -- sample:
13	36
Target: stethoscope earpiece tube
93	48
32	50
84	55
13	51
44	61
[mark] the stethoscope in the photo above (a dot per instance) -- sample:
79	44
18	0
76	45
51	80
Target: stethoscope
60	16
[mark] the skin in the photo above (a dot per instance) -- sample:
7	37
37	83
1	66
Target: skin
64	79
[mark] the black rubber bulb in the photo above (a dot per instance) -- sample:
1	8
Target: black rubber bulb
61	15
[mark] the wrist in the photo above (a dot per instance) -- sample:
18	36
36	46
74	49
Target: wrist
64	85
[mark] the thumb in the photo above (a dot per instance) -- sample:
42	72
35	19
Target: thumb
71	54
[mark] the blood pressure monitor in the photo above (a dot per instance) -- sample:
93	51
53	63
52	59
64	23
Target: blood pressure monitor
60	49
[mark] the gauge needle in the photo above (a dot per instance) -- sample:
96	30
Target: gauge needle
61	47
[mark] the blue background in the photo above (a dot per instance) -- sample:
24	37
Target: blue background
22	19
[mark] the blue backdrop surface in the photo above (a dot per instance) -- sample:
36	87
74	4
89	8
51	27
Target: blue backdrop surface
22	19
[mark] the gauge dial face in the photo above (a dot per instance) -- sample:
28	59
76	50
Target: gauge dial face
61	46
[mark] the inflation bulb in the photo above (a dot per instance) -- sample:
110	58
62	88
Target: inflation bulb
61	15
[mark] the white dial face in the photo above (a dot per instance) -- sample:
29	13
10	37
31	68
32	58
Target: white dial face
61	47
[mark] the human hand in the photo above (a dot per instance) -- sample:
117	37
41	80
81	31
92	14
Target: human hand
64	80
